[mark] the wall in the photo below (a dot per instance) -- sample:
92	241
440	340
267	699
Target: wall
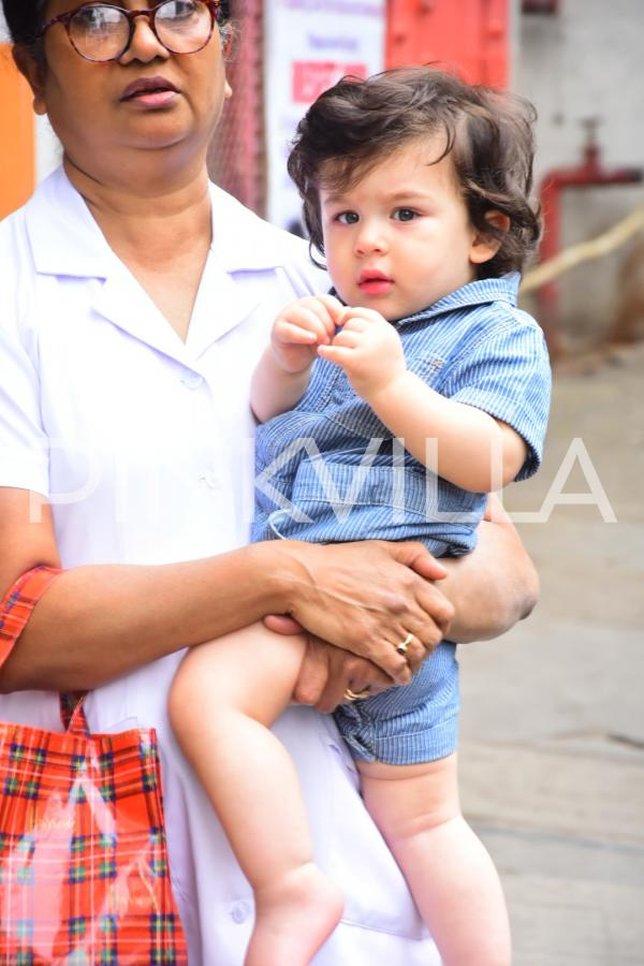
586	62
474	36
28	147
16	136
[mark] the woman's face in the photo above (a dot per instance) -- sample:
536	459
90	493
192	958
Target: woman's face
149	99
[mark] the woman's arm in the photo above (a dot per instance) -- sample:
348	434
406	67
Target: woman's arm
493	587
97	622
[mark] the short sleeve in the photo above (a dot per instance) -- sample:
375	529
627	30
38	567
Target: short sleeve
507	374
24	459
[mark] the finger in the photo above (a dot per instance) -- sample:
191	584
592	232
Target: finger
435	603
343	667
414	655
331	697
328	310
348	337
349	672
412	649
313	677
335	309
281	624
340	355
369	678
397	666
427	620
369	317
335	694
327	318
311	318
291	333
355	323
418	557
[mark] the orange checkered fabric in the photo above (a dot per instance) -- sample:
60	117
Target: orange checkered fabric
83	864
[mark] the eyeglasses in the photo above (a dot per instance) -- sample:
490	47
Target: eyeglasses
101	32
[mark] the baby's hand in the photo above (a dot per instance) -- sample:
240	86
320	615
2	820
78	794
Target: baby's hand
303	326
369	350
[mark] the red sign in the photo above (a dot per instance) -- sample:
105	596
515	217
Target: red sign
311	78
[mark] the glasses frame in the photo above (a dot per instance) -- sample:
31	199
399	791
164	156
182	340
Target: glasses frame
214	7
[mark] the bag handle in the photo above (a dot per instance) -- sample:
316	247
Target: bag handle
16	608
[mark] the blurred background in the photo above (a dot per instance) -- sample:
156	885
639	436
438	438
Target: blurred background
579	61
553	720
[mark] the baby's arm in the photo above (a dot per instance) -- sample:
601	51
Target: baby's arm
282	374
460	443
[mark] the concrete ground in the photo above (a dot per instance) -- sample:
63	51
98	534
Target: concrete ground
552	759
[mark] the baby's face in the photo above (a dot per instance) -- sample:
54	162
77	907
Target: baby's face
400	238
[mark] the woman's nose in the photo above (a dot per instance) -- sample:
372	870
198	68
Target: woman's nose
144	44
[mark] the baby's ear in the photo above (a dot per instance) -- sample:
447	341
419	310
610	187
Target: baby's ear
484	247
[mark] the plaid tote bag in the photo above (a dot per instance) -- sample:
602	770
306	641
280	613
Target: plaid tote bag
83	866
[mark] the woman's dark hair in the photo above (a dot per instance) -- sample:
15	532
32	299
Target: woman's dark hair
488	134
24	19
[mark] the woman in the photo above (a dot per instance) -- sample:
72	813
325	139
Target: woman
136	298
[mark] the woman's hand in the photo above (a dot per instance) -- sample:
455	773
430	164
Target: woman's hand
327	672
366	598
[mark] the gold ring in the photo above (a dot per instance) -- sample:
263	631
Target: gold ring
356	695
402	647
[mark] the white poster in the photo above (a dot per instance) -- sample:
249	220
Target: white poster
309	46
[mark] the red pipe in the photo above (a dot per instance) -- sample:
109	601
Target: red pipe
589	173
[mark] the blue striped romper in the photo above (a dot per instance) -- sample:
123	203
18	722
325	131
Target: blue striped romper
329	471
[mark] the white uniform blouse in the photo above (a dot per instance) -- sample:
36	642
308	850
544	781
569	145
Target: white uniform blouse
143	445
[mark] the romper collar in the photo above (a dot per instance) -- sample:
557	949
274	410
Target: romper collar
480	292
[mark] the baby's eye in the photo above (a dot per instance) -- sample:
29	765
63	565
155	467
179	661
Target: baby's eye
405	214
347	217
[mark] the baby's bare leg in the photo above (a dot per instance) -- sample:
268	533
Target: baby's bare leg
451	875
225	696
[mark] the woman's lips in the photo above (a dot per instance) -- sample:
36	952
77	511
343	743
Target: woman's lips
150	92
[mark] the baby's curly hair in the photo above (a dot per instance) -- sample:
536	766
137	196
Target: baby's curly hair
488	133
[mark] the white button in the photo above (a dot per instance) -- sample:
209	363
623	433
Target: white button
191	380
240	912
211	479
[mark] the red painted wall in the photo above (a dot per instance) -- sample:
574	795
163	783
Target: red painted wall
470	36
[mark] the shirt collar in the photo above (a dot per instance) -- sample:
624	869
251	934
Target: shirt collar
66	241
64	238
484	290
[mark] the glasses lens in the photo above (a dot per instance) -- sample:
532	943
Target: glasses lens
183	26
99	33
